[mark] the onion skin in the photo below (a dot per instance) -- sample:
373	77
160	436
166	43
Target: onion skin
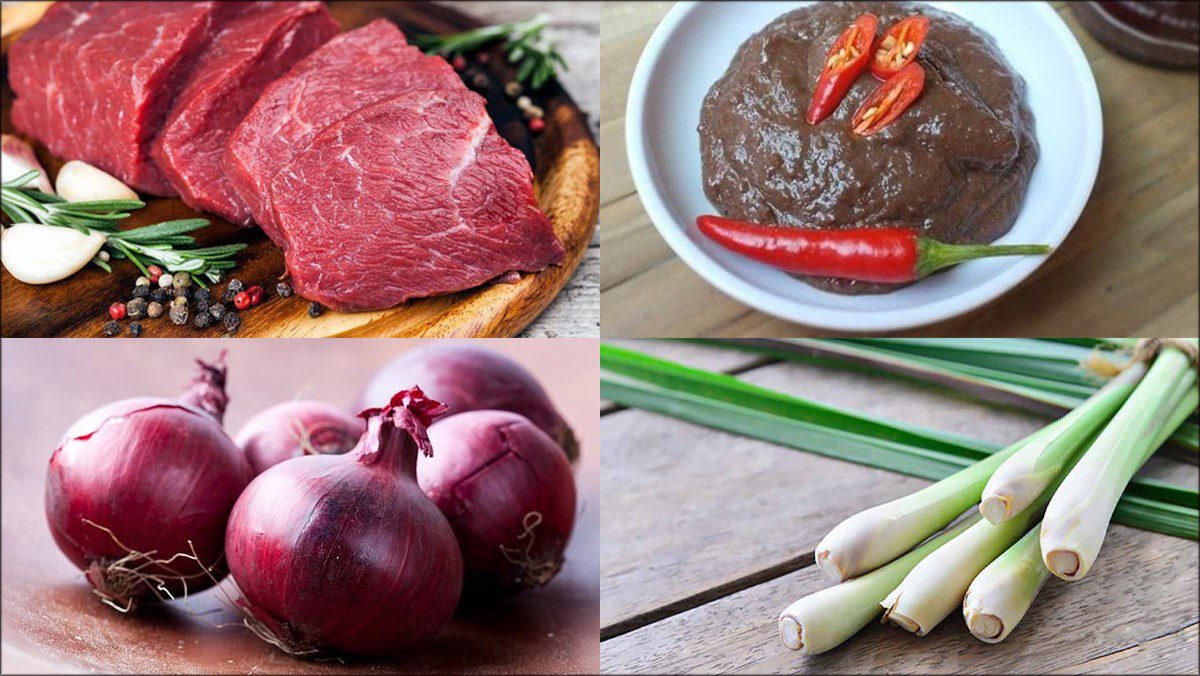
509	495
156	472
344	553
295	428
470	378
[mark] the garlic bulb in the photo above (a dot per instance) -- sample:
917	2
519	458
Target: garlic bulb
81	182
17	158
41	254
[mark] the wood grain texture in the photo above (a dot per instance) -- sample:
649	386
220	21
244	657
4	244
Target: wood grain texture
566	162
51	622
1128	267
708	536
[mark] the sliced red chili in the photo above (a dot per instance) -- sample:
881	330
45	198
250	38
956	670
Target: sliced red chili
892	98
889	255
846	60
898	46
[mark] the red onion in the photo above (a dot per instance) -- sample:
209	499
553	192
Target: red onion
344	552
469	378
508	493
295	428
139	492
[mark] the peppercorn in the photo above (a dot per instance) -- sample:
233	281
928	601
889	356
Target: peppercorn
201	306
479	80
315	309
182	292
524	103
227	295
117	310
256	294
179	314
166	280
182	280
483	57
513	88
142	281
242	300
233	321
136	308
236	285
179	302
111	328
154	310
534	113
202	294
104	256
159	296
217	310
203	320
458	63
283	289
135	329
142	291
155	273
536	125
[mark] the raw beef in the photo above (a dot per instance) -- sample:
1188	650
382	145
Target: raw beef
355	69
249	51
94	80
414	196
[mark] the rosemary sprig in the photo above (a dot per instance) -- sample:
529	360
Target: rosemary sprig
524	44
151	244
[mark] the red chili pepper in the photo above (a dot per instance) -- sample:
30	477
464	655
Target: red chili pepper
117	311
898	46
256	294
846	60
892	98
242	300
885	255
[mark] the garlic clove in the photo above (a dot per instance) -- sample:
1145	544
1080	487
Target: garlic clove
41	254
17	158
81	182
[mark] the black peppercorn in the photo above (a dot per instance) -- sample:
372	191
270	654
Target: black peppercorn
182	292
179	314
135	329
201	306
233	321
202	294
217	310
141	291
159	295
203	320
315	309
227	296
136	308
283	289
235	285
112	328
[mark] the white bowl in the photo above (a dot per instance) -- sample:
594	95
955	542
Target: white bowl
691	49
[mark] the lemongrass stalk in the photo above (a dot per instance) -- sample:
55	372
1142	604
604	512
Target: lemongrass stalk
1078	515
877	535
1020	479
1003	592
823	620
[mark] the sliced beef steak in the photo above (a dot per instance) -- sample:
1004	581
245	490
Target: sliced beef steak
95	80
249	51
414	196
355	69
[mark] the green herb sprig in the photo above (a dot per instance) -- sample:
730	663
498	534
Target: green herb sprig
524	44
166	244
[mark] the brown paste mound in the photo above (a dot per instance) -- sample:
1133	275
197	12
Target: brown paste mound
955	165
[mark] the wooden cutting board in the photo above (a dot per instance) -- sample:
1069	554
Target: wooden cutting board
566	162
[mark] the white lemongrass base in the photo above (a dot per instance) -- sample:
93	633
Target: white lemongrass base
823	620
1003	592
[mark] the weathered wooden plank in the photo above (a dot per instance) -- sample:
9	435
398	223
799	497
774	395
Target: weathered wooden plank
1142	590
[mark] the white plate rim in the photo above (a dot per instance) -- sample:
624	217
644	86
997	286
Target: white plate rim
831	318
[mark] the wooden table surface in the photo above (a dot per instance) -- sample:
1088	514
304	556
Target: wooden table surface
51	621
1128	267
707	536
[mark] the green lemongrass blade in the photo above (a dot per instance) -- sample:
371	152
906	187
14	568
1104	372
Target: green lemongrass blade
1004	591
1078	516
736	418
825	619
830	442
727	388
938	585
1023	477
1017	355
